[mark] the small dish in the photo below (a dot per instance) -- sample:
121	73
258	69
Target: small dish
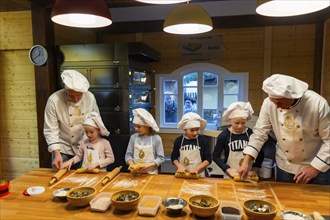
174	205
61	193
149	205
230	210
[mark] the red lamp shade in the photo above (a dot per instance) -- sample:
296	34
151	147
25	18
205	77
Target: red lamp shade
81	13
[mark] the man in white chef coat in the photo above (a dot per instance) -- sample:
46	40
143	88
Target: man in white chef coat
300	120
64	115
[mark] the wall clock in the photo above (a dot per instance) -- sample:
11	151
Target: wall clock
38	55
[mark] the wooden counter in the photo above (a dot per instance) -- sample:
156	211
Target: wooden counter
303	198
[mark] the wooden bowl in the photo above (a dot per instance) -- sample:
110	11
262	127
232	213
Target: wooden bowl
125	200
206	200
80	196
250	210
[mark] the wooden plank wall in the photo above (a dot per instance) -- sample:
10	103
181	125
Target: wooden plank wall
285	49
18	136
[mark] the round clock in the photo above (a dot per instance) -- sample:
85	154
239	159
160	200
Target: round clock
38	55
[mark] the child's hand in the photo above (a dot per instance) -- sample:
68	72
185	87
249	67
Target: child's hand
252	173
232	172
92	166
181	169
67	164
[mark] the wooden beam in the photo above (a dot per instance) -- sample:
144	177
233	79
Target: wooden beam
43	33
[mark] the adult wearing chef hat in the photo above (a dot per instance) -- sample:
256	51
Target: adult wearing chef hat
191	152
64	115
300	120
232	141
145	147
96	151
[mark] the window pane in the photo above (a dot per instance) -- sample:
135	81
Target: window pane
210	115
228	99
190	100
170	87
190	79
210	79
171	109
230	87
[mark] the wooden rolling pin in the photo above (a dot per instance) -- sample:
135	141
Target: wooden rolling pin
111	175
186	175
250	178
57	176
85	170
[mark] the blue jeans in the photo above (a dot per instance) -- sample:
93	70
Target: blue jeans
67	157
283	176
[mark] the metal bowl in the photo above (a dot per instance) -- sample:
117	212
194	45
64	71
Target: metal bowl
288	214
174	205
61	193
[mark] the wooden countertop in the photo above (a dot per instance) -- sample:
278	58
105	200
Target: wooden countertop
303	198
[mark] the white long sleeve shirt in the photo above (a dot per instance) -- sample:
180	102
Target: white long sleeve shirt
59	130
302	133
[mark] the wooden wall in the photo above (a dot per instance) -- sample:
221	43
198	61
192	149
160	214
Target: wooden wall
259	51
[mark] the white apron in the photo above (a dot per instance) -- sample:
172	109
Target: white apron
191	157
235	158
91	155
144	154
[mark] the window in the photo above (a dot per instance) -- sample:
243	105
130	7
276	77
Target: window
204	88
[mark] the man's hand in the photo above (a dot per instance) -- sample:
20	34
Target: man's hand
57	162
244	169
306	174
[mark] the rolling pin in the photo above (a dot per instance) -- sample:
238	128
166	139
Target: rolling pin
111	175
250	178
57	176
85	170
186	175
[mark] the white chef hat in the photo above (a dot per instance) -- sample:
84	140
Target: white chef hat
238	110
192	120
74	80
143	117
282	86
94	119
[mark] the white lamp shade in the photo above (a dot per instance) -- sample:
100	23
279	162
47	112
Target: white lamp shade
81	13
162	1
188	19
282	8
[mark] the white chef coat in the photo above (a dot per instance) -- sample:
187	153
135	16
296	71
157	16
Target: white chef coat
60	128
302	133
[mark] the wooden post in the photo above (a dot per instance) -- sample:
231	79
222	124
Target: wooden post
45	80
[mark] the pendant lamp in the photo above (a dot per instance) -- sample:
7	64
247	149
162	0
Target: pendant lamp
188	19
282	8
81	13
162	1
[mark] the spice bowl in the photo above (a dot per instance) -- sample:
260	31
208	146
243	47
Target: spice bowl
61	193
80	196
230	210
203	205
259	209
125	200
174	205
149	205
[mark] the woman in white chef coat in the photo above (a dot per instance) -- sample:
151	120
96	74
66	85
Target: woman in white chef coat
300	120
64	114
95	151
145	147
191	152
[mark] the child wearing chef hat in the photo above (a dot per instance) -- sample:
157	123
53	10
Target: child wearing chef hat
145	148
232	141
191	152
95	151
